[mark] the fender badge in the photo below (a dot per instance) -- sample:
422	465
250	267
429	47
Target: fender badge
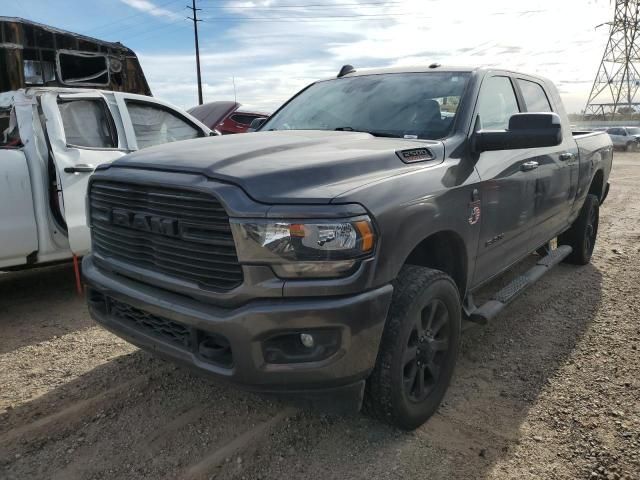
474	212
415	155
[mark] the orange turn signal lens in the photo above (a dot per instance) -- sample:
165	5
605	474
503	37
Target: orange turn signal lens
296	230
367	235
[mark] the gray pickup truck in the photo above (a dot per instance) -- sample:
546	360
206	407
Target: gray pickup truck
337	250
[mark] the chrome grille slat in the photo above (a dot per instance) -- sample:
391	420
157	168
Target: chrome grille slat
207	258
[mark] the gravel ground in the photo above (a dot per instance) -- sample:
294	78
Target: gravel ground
550	389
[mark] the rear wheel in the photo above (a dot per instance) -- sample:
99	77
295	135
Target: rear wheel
583	233
418	350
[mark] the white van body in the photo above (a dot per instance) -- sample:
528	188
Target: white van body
51	140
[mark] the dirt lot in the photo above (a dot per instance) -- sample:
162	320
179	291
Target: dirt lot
550	389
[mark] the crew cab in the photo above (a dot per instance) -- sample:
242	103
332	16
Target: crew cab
51	140
337	250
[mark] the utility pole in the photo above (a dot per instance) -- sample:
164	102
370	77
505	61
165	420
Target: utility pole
618	79
195	32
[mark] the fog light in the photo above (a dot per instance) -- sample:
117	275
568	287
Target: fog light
307	340
299	347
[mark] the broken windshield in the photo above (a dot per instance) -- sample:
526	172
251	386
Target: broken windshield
412	105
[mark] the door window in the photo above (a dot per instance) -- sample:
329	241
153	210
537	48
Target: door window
534	96
88	123
243	118
497	103
154	125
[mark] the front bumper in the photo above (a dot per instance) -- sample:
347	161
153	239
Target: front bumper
359	319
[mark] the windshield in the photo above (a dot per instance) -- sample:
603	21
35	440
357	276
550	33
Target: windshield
633	131
410	105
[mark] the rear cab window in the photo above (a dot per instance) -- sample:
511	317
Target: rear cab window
534	96
88	124
155	125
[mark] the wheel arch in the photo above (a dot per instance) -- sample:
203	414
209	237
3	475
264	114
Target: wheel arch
597	184
445	251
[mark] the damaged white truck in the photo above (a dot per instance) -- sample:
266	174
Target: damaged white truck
54	131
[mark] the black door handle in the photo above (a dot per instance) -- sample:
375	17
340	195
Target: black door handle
82	168
566	156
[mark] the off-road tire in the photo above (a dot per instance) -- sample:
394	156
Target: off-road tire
386	397
582	234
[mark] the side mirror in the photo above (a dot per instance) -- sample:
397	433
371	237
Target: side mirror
214	133
526	130
256	123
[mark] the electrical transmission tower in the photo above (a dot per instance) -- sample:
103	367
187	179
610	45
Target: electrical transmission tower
617	81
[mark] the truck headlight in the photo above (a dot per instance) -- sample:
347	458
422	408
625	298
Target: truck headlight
304	248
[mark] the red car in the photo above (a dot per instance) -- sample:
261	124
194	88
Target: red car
224	116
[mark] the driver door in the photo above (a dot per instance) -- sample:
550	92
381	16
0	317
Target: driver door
84	130
508	185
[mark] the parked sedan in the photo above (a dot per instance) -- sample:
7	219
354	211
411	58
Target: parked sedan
225	117
626	138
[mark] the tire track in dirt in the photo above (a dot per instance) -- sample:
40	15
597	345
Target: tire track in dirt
241	444
58	423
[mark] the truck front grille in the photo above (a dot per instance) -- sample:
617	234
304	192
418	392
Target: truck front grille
183	234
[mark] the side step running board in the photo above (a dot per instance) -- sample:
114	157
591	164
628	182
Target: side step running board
501	299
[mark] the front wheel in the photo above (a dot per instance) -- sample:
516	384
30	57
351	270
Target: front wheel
631	147
583	233
418	351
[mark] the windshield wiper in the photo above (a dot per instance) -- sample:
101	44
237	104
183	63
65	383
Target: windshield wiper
375	134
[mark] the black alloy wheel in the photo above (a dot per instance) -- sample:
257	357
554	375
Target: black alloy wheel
426	350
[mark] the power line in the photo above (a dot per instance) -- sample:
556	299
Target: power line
153	30
309	5
373	16
120	20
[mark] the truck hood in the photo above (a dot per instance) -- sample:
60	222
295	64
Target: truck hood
309	166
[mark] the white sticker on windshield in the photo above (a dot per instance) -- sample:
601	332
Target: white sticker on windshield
412	137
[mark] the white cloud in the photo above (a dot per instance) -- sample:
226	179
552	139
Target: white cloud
152	9
274	52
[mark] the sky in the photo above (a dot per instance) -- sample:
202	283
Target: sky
271	49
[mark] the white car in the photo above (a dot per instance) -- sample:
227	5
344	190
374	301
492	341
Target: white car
626	138
51	140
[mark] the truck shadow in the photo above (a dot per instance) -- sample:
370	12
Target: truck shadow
37	304
136	416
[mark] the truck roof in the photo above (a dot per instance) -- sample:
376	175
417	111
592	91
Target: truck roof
435	67
79	36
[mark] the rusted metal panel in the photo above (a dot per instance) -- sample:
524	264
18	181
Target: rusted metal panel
33	54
